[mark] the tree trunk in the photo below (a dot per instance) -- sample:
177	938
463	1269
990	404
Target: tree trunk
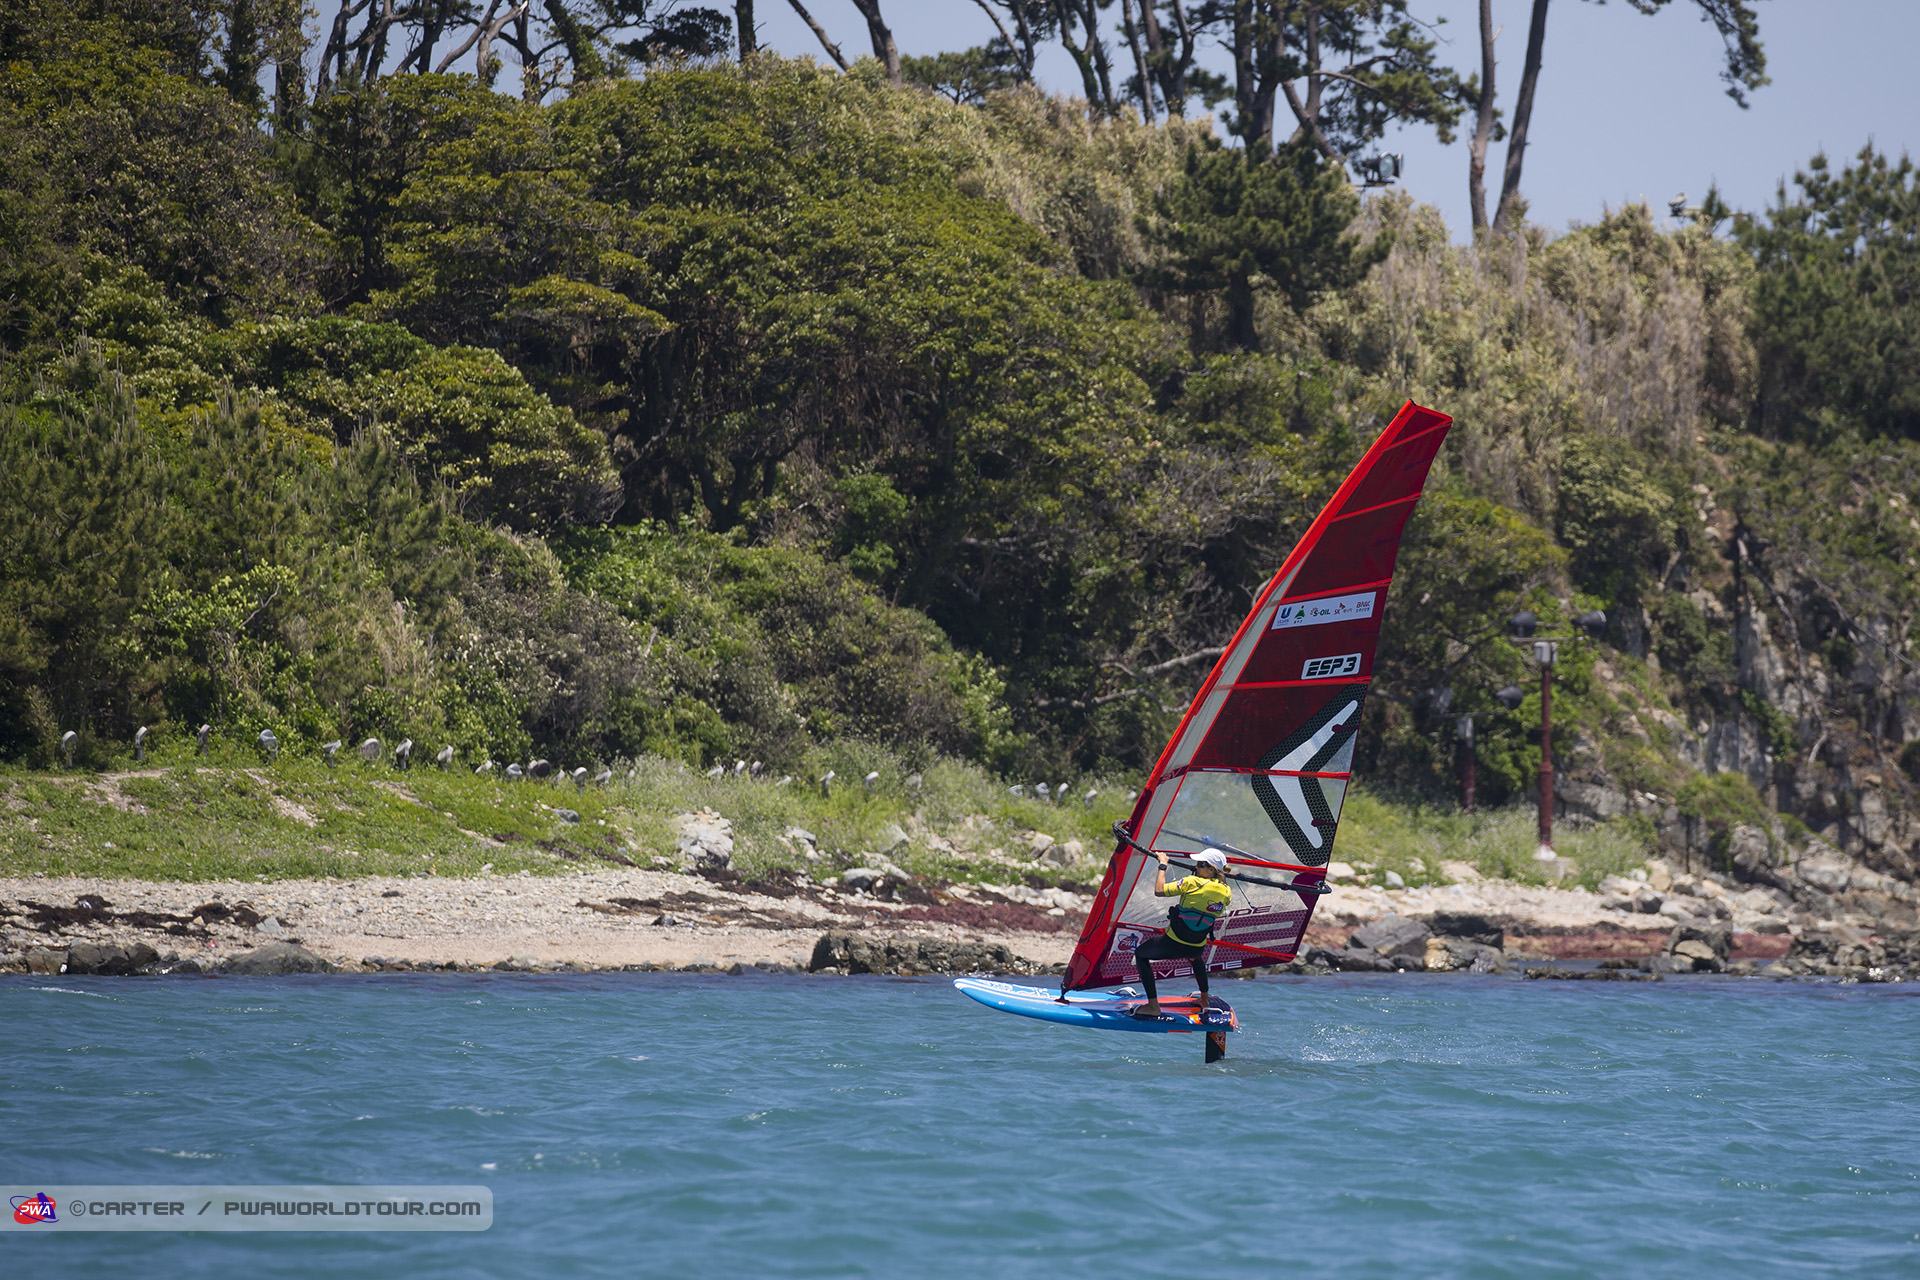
531	88
883	45
743	22
378	27
1483	124
1259	40
433	25
1170	70
242	72
820	34
333	59
1242	335
1024	29
577	37
1522	114
289	91
1139	58
1090	57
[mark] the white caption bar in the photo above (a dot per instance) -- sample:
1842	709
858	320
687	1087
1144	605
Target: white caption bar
43	1208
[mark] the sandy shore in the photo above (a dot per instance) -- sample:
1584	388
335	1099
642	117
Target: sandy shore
598	919
620	917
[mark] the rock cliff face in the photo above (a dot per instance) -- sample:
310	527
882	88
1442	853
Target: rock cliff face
1818	708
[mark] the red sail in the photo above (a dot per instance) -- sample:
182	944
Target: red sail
1259	767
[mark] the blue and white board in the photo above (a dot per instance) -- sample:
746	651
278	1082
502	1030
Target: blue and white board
1112	1011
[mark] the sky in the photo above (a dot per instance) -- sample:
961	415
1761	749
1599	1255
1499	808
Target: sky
1629	106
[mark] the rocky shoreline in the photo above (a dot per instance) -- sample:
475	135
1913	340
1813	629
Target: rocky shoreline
879	919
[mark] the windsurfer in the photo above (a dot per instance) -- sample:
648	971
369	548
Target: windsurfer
1203	900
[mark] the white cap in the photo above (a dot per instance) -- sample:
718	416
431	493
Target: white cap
1213	858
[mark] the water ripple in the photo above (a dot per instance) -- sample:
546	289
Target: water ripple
792	1126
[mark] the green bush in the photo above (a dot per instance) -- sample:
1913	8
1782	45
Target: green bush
1720	802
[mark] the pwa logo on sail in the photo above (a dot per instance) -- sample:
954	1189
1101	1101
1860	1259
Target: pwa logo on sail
28	1210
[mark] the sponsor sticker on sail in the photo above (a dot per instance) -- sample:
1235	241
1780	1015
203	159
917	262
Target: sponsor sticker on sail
1312	613
1339	664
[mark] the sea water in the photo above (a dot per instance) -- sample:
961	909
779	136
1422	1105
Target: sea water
683	1126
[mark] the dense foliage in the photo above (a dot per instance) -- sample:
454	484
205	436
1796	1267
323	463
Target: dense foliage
725	411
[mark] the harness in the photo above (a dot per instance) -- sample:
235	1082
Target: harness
1192	926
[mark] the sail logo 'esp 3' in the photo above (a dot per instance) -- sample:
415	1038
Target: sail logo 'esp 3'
1339	664
1260	765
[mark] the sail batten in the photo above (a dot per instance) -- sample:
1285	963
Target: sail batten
1260	764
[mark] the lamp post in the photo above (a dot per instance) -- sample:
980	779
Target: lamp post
1546	652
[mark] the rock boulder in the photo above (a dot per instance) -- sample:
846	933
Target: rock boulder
1394	936
1452	955
1483	930
839	951
274	959
706	840
1716	938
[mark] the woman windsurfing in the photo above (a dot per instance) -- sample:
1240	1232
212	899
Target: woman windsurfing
1203	900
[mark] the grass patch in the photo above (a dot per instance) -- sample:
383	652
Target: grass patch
291	820
1414	840
179	817
955	801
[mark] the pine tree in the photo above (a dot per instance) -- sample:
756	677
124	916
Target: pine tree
76	558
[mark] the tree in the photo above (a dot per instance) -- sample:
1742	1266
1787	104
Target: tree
252	34
118	160
1836	305
1745	70
968	76
1480	92
75	562
1363	63
1033	21
462	417
882	36
1163	55
820	33
1465	564
743	24
563	42
1088	51
1238	226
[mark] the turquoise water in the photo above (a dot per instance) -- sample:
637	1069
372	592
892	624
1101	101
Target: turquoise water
668	1125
